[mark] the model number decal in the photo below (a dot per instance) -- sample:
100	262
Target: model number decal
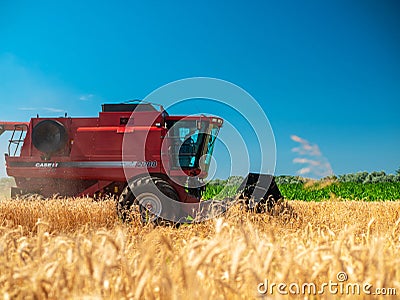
144	164
46	165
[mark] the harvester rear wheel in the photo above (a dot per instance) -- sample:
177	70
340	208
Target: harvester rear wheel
145	194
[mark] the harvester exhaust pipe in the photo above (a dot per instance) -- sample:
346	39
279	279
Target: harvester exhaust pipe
259	191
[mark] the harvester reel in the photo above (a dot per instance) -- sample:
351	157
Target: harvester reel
49	136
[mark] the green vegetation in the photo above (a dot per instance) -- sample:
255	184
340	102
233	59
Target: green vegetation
366	186
344	190
365	177
220	189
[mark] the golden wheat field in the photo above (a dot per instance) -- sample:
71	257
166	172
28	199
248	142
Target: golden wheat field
78	249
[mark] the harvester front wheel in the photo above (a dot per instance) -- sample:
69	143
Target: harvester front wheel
146	194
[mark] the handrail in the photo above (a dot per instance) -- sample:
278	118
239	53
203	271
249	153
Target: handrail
17	127
10	126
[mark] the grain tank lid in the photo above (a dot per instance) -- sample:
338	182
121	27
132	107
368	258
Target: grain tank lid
124	107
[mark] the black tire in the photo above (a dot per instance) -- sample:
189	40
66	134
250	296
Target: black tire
145	195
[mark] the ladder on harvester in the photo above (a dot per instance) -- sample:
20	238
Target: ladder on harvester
16	139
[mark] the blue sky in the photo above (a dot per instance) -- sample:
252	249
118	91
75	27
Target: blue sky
326	71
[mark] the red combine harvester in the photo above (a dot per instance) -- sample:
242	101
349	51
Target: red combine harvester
134	151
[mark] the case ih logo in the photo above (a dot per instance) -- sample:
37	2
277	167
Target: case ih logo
46	165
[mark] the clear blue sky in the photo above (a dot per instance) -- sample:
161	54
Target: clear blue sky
327	71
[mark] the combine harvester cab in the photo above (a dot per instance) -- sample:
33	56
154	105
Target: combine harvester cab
133	151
